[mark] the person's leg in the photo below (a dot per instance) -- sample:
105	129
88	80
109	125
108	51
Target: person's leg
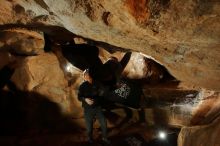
89	115
103	124
102	121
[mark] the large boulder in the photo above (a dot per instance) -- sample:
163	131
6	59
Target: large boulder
43	75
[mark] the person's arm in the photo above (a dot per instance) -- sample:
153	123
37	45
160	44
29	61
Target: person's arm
88	100
124	61
80	92
83	97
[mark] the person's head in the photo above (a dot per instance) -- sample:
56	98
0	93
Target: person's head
87	76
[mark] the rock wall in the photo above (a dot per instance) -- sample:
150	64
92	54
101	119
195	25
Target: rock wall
206	135
43	75
204	129
22	41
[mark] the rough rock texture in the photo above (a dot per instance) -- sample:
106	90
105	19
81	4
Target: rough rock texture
206	135
21	41
181	35
43	75
179	106
208	109
205	118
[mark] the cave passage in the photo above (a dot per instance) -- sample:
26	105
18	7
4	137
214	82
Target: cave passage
32	114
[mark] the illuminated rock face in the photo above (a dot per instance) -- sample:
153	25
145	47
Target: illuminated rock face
21	41
42	74
204	123
190	136
138	66
181	35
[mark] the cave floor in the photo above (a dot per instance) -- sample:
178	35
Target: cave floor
138	135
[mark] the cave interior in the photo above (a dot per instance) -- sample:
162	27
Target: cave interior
156	61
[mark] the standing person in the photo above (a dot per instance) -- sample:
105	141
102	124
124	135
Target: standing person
88	95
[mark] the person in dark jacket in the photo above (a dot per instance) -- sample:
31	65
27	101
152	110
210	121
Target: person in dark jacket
88	94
